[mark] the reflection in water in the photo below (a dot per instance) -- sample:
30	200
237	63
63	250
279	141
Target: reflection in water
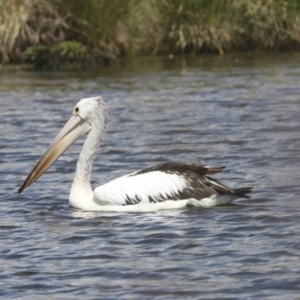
238	111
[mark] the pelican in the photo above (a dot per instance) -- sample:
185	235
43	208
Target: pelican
168	185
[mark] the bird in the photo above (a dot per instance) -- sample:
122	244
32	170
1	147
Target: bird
162	186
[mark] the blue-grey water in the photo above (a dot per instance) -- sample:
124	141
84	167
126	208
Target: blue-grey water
240	111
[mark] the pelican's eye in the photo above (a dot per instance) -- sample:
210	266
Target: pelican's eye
76	110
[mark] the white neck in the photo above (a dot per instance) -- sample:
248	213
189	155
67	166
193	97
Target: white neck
81	194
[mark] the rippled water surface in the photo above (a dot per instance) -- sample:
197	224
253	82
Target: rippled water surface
238	111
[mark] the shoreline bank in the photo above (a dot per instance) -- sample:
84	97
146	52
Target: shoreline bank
71	34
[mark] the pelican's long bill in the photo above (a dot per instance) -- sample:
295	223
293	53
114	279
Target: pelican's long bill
74	129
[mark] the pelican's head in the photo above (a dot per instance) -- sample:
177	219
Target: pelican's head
92	110
88	112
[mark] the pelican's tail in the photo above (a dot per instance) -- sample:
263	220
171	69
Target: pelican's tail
220	199
243	192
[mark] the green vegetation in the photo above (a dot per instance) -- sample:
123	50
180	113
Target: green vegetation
55	33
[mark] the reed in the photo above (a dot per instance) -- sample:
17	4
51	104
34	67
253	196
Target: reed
98	23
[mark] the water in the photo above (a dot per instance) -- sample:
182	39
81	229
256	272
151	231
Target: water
238	111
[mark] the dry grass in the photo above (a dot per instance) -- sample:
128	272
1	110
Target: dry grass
13	16
26	23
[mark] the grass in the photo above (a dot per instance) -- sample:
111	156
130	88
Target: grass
228	25
49	32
